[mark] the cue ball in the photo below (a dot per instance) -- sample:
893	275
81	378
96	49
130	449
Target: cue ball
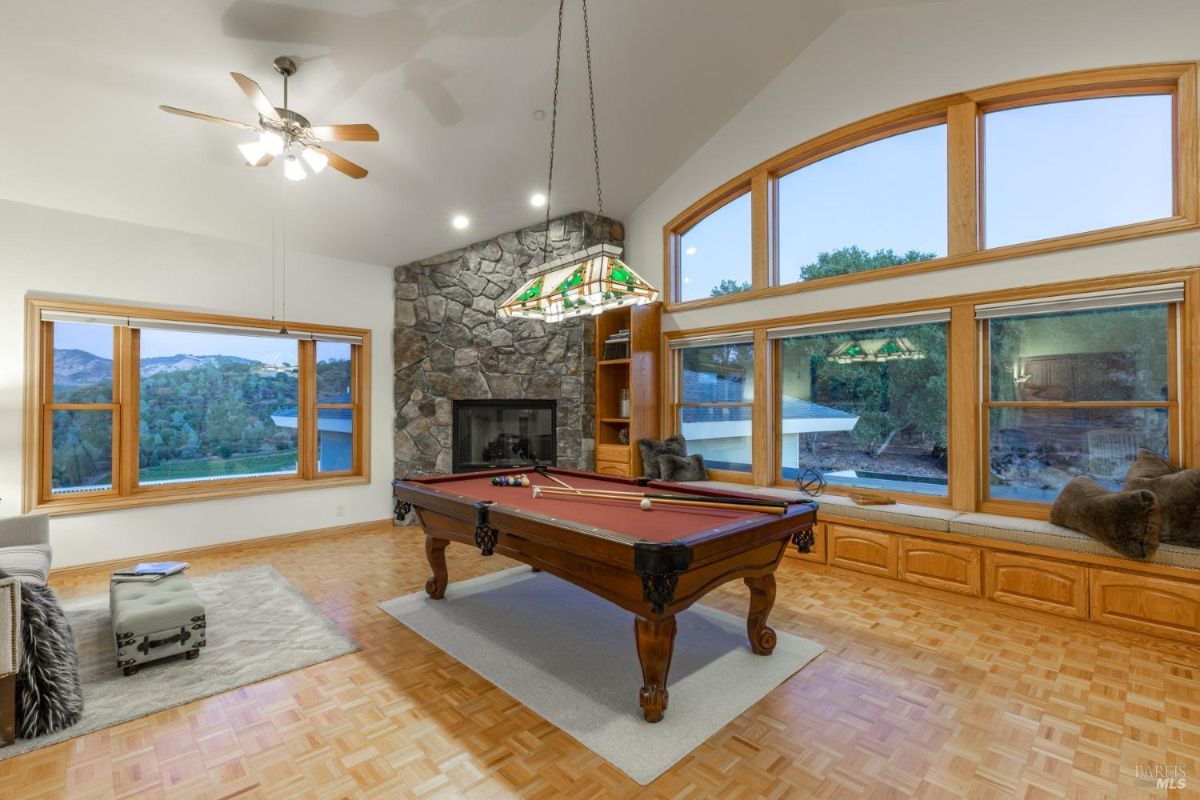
645	504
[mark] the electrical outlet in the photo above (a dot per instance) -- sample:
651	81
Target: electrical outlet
340	511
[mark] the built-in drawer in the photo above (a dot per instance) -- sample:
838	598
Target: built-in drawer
816	552
619	469
1036	583
612	452
953	567
1150	605
861	550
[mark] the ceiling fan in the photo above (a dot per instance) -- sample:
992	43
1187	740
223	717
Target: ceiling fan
282	131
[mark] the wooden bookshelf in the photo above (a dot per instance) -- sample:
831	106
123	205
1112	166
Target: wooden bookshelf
638	375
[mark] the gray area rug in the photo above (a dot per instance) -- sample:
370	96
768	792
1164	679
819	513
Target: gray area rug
259	626
570	656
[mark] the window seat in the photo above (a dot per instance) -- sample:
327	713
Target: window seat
926	518
1047	534
1039	533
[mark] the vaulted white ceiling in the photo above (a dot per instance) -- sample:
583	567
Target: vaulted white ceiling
451	85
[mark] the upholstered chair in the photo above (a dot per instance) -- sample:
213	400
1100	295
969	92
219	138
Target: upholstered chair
25	556
10	657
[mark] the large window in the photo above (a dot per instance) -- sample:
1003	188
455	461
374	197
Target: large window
874	206
1075	392
1083	165
1032	166
864	404
716	396
140	406
211	406
714	254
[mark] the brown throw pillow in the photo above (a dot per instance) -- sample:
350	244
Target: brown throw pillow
1128	522
682	468
1178	493
651	449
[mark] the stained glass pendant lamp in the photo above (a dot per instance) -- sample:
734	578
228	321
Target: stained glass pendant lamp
586	282
589	281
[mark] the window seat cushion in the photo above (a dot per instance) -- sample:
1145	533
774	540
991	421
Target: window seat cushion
926	518
1047	534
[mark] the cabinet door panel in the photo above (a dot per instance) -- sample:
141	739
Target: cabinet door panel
861	550
1053	586
953	567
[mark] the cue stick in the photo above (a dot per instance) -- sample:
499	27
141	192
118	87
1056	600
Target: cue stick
741	501
546	474
582	494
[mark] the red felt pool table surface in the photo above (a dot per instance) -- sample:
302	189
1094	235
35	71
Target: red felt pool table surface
661	523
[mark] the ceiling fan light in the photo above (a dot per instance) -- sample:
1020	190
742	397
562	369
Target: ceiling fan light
293	170
253	152
316	161
271	142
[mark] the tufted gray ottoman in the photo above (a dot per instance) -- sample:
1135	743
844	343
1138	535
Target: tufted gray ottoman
155	620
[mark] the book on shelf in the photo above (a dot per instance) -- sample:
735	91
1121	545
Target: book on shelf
616	346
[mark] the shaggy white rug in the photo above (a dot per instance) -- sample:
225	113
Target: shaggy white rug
259	626
570	656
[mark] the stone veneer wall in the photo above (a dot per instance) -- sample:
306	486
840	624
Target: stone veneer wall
450	345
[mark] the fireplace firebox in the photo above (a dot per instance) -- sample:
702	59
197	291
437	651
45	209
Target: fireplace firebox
504	433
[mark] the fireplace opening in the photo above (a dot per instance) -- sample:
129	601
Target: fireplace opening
504	433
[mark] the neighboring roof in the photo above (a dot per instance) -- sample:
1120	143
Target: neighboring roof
709	422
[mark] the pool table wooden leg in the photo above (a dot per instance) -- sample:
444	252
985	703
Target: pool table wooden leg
762	597
435	551
655	644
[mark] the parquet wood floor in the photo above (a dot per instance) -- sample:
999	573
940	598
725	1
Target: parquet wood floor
918	695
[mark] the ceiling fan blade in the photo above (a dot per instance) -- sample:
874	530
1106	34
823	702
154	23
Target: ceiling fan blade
255	93
208	118
340	164
267	158
360	132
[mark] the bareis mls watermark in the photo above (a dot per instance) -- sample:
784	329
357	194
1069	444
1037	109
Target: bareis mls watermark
1161	776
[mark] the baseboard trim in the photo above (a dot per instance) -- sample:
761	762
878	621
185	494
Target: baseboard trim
221	547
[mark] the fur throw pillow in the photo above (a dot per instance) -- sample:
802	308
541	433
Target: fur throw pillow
49	694
651	449
682	468
1178	493
1128	522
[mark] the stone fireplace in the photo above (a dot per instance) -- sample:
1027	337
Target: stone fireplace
449	344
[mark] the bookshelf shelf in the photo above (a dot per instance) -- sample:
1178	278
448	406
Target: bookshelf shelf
637	332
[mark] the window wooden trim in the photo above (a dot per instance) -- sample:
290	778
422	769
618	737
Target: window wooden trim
967	452
962	114
126	492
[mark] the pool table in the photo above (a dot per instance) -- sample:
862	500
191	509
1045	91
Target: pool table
654	563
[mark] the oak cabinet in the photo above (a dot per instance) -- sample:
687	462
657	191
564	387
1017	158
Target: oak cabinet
1036	583
940	565
1149	605
861	550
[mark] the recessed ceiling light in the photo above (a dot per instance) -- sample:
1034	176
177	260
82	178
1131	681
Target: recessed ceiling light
691	251
460	221
537	200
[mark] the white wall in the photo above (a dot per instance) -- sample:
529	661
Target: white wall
873	61
62	253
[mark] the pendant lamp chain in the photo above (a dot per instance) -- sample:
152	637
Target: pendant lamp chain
587	47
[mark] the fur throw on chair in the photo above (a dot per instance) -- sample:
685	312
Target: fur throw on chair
49	694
